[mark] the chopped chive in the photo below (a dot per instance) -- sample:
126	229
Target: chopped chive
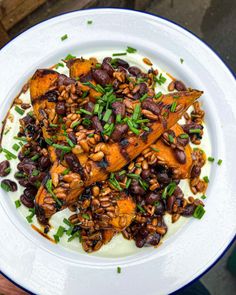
171	138
132	128
119	54
19	175
155	149
158	95
19	110
86	122
181	60
157	203
143	184
5	133
175	96
84	112
118	118
118	269
98	66
75	124
35	157
131	49
17	203
219	162
173	106
113	181
184	135
75	235
211	159
56	238
199	212
128	182
96	108
89	22
161	80
69	231
143	97
21	138
85	93
91	135
35	172
141	209
107	115
171	188
145	128
197	130
5	187
64	37
49	141
66	171
133	175
122	172
203	197
70	142
67	222
100	89
86	216
9	154
16	147
48	187
53	125
31	215
60	231
64	148
69	56
142	121
206	179
164	193
58	66
137	112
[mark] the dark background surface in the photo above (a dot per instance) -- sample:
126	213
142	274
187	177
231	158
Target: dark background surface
214	21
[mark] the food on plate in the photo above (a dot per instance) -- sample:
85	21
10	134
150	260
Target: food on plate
106	144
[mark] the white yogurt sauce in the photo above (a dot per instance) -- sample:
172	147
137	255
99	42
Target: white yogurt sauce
118	246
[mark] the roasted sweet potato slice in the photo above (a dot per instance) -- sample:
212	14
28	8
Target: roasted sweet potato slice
166	156
81	67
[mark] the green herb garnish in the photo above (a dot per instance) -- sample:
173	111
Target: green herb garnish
199	212
119	54
118	269
206	179
107	115
131	49
17	203
197	130
219	162
211	159
173	106
19	110
141	209
21	138
16	147
86	216
89	22
183	135
64	148
64	37
5	187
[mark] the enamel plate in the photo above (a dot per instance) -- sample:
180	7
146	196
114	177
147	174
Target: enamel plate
42	267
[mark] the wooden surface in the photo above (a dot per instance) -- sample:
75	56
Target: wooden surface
7	288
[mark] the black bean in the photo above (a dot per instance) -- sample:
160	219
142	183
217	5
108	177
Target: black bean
24	182
116	84
182	141
4	165
21	156
153	239
106	66
101	77
51	95
118	108
179	85
119	132
61	108
195	171
10	184
121	69
122	63
170	203
44	162
136	189
86	78
26	201
136	96
97	124
163	177
159	208
178	193
143	232
140	242
180	156
135	71
150	105
72	137
146	173
188	210
28	168
73	163
143	88
65	80
152	197
30	192
28	120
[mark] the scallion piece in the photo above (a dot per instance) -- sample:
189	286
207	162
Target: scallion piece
141	209
155	149
5	187
86	216
75	235
158	95
31	215
173	106
64	37
132	128
84	112
199	212
64	148
60	231
133	175
66	171
197	130
136	113
219	162
118	269
69	56
171	138
35	172
35	157
48	187
75	124
9	154
89	22
206	179
21	138
67	222
17	203
119	54
143	97
128	182
53	125
19	110
203	197
107	115
184	135
118	118
59	65
211	159
131	49
48	141
16	147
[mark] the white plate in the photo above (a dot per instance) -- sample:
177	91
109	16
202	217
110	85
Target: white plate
44	268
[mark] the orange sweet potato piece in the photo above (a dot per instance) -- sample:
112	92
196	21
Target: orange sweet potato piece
80	67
